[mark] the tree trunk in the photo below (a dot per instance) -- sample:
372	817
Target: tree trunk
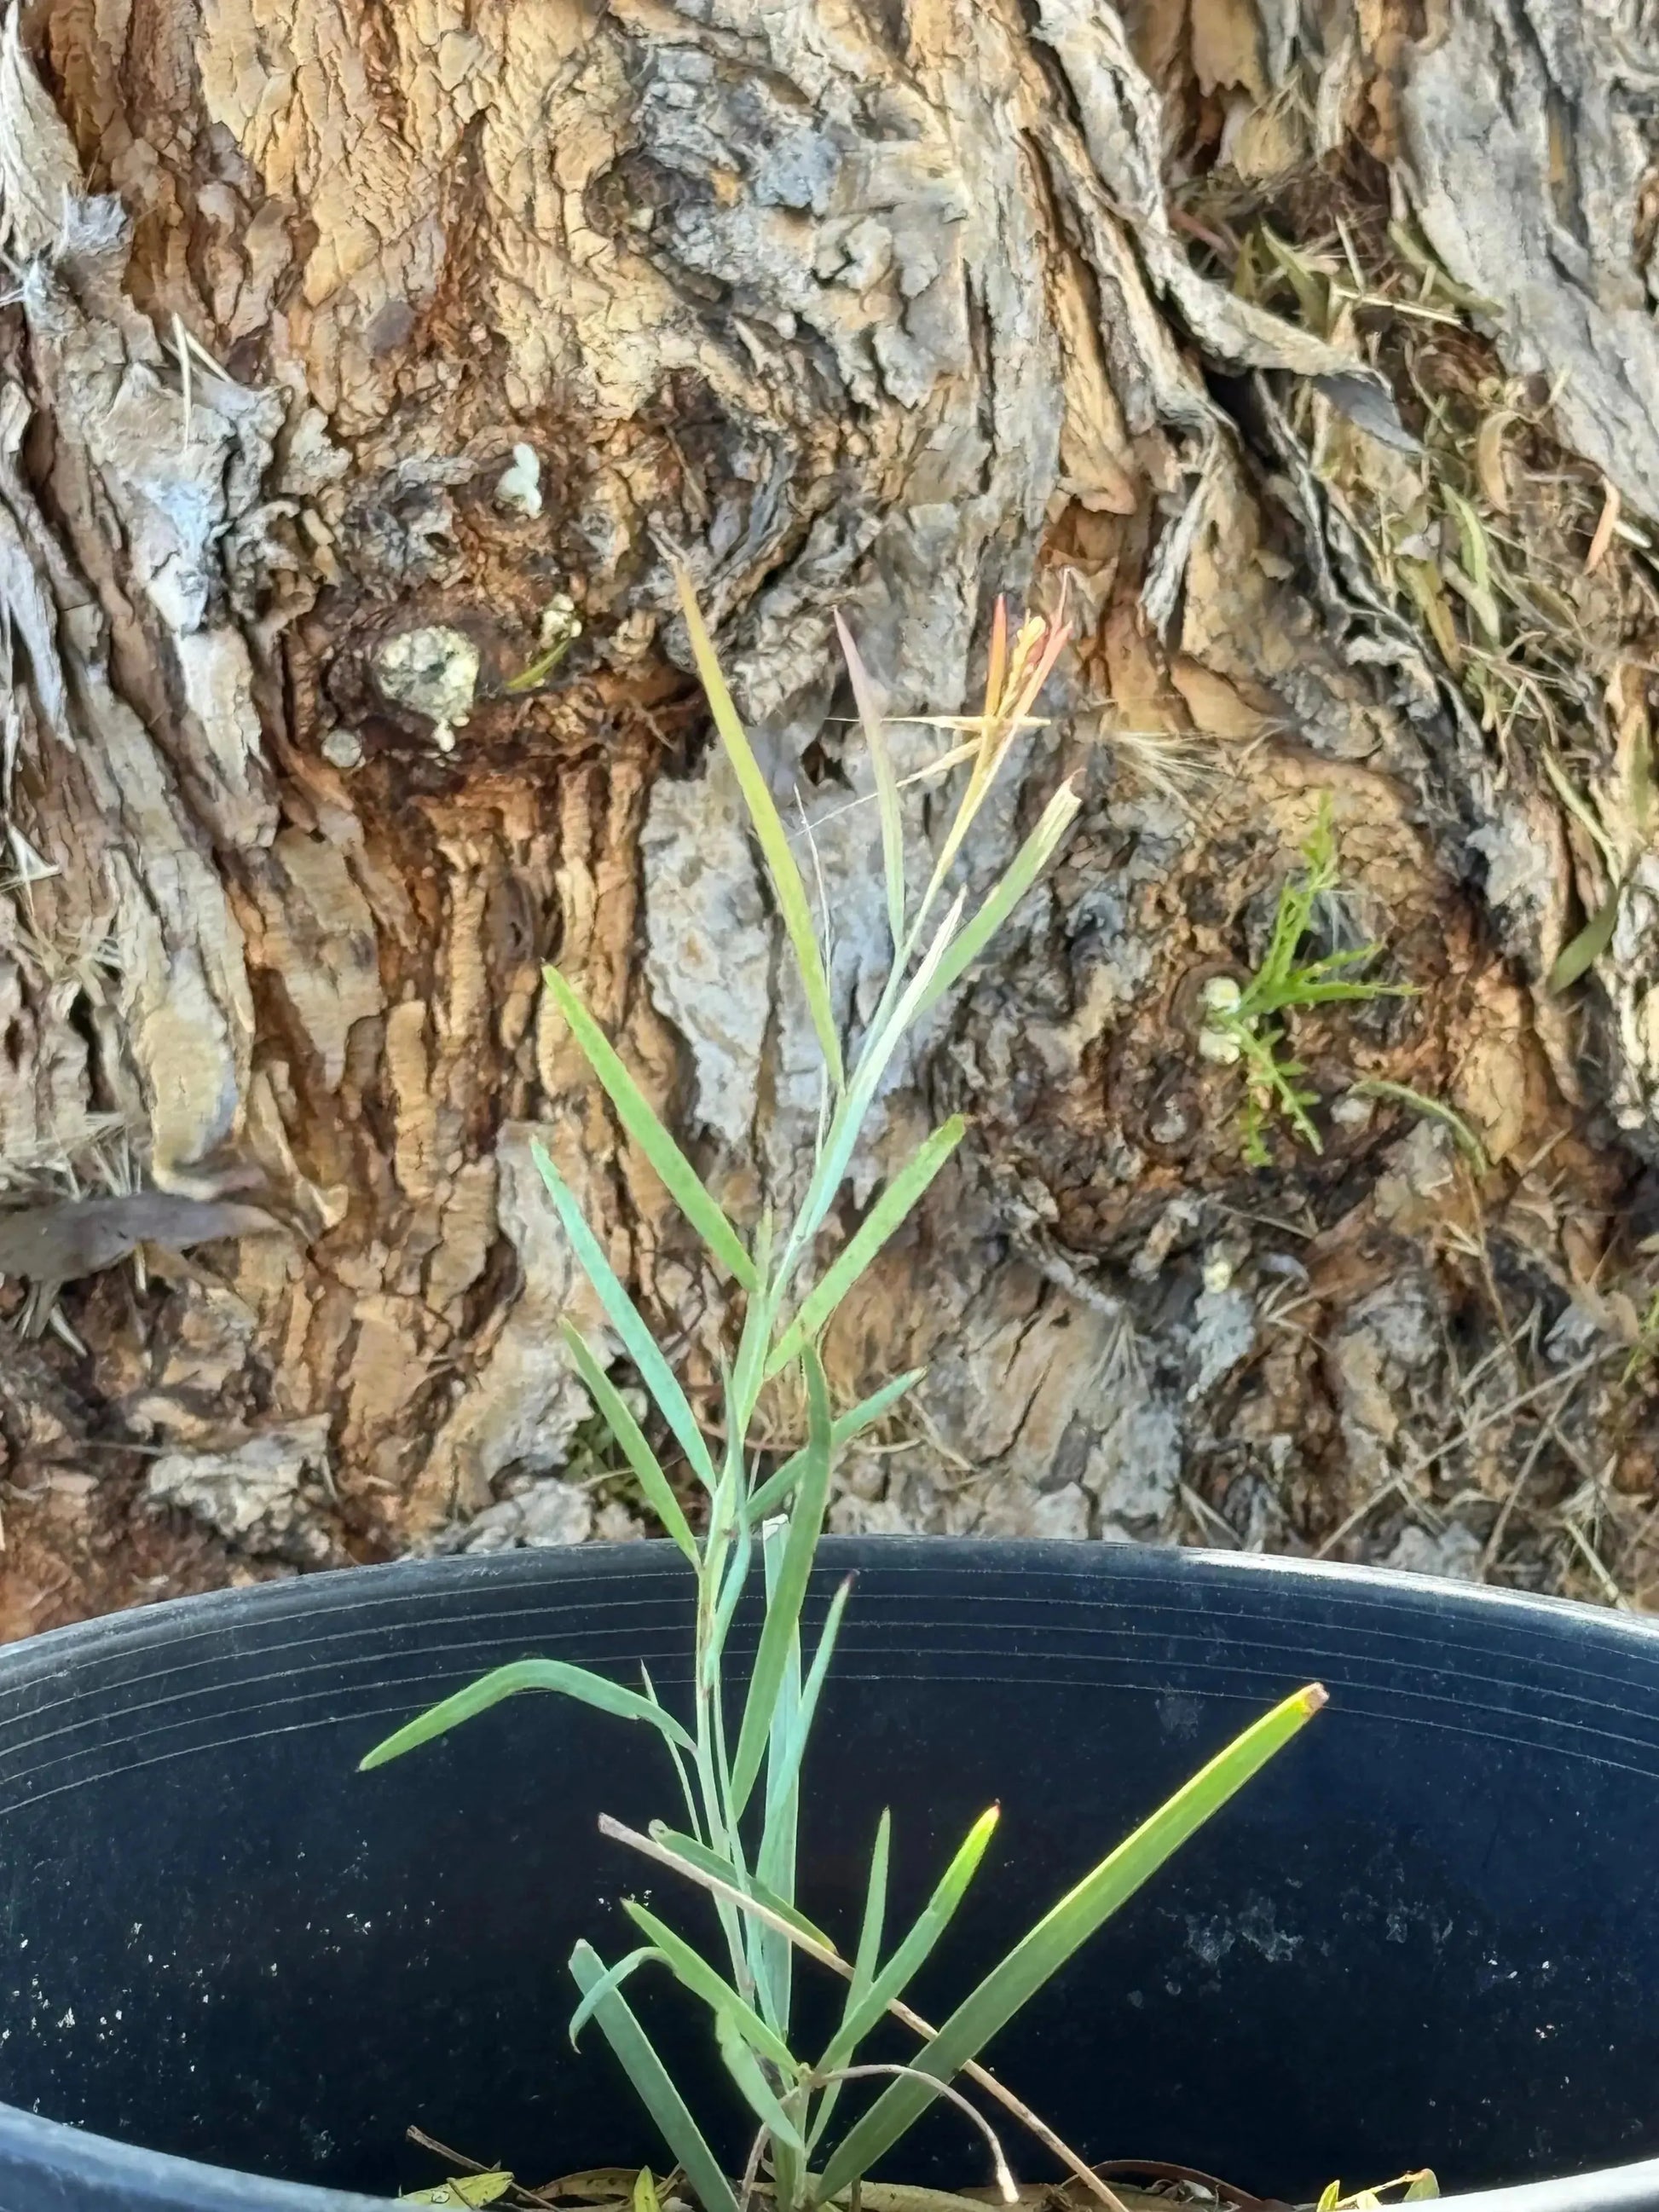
363	366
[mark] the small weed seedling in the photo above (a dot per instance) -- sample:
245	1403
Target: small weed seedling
1241	1022
736	1753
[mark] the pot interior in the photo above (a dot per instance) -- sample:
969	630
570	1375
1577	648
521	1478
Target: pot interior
1429	1934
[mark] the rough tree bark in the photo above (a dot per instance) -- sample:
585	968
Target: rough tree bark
359	359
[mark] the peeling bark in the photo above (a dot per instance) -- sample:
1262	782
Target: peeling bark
362	367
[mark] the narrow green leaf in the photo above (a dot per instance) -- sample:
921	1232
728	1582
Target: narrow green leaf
907	1961
1579	807
637	1339
646	2198
894	1202
865	1961
790	1749
684	2139
588	1689
887	794
743	2067
777	1486
760	1315
1024	869
674	1751
783	1611
715	1863
689	1968
612	1978
679	1178
774	1862
787	884
836	1149
659	1492
731	1590
1040	1955
1591	942
875	1911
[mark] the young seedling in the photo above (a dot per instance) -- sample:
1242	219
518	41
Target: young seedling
737	1753
1241	1026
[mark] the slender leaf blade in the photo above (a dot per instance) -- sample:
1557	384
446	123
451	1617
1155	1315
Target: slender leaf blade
612	1978
790	1747
650	2077
1024	869
757	2091
894	1202
679	1178
716	1863
587	1688
907	1961
689	1968
776	1488
774	1491
865	1959
783	1613
658	1492
774	1862
637	1339
1582	952
1068	1924
787	886
887	793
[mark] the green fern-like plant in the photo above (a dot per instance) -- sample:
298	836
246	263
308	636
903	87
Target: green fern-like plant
1241	1022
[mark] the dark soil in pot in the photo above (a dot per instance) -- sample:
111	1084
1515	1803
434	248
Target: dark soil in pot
1428	1934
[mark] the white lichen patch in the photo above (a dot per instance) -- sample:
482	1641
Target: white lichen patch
519	487
434	670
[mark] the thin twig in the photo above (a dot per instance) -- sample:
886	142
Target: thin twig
1005	2183
751	2169
1489	1557
459	2160
1469	1431
829	1957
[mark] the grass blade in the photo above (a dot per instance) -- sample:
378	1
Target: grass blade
690	1969
906	1962
896	1201
1026	865
588	1689
679	1178
887	795
612	1978
868	1411
637	1339
714	1863
757	2091
658	1493
667	2108
783	1613
699	1858
787	887
875	1910
1592	941
774	1862
865	1959
793	1748
1070	1924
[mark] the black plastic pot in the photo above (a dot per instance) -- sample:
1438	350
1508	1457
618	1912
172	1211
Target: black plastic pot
1428	1934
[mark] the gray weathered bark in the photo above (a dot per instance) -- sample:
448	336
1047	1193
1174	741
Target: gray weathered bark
359	356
